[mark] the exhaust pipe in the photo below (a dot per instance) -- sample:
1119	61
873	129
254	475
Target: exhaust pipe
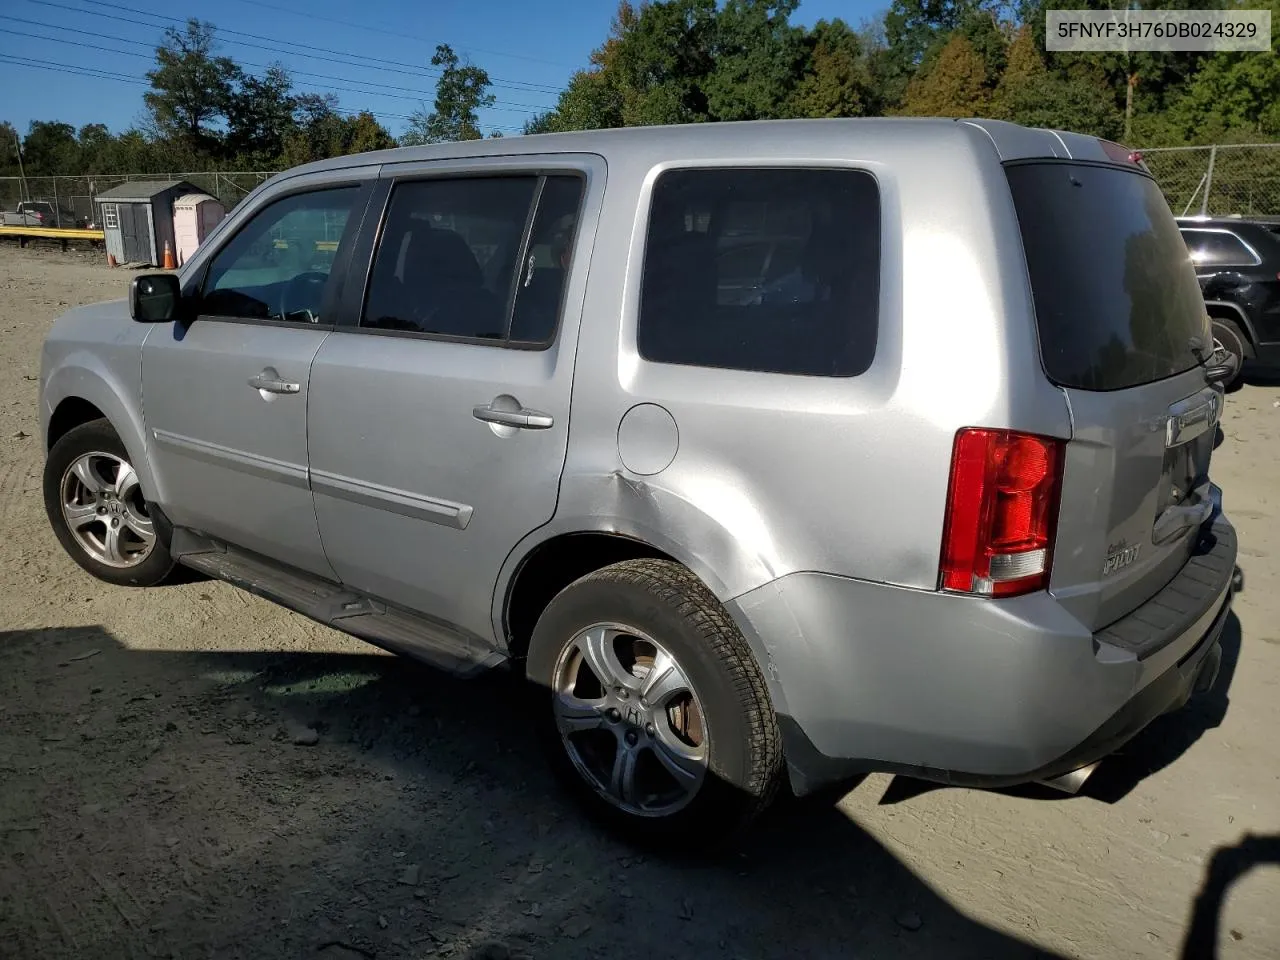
1072	781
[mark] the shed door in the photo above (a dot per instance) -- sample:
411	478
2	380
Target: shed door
133	233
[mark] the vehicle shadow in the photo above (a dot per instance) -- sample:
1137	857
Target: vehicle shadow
1225	867
292	804
1163	742
1257	376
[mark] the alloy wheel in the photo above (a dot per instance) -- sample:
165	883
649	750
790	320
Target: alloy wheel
104	509
630	720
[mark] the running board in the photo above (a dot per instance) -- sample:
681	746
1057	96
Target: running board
336	606
1072	781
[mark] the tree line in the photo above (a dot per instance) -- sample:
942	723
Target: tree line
688	61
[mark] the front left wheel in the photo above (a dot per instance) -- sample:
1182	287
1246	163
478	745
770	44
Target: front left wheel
652	706
97	510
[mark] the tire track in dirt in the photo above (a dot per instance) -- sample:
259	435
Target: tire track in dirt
13	475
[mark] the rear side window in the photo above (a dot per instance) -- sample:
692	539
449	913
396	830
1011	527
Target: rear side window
1116	298
1212	248
770	270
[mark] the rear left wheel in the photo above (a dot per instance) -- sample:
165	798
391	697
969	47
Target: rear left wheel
652	707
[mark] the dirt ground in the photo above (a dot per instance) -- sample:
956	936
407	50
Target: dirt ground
160	796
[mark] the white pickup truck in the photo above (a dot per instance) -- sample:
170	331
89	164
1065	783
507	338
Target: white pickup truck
36	213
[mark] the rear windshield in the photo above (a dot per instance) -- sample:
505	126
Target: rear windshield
1116	298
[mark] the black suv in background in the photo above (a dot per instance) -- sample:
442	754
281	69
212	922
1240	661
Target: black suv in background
1237	261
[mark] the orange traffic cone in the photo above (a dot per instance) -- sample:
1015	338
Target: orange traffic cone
168	257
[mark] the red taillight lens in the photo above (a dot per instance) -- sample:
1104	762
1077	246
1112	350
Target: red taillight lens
1001	509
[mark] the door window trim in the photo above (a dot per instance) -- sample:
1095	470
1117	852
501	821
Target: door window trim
1257	260
331	299
366	250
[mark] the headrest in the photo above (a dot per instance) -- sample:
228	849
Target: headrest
442	255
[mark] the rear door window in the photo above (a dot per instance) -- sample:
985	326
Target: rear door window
770	270
1218	248
475	258
1116	298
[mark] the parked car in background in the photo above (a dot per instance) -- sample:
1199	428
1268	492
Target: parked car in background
1237	262
43	211
21	217
760	451
39	213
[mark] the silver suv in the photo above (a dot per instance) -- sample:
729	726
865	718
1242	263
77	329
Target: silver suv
767	452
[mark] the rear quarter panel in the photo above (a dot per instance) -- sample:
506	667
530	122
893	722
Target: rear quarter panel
776	473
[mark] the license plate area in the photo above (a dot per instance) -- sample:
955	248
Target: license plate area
1189	437
1185	473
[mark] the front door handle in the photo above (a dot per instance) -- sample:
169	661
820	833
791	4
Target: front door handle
522	418
272	382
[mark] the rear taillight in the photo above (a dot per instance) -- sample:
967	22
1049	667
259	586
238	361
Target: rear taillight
1002	506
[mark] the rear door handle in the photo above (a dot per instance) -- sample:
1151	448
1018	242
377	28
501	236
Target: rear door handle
272	382
522	418
1175	520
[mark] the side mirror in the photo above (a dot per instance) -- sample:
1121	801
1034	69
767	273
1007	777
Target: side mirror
154	297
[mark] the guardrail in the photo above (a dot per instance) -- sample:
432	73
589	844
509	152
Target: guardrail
61	234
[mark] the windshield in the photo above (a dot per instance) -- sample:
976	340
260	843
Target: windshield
1116	297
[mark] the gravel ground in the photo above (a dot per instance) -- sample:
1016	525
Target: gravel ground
193	772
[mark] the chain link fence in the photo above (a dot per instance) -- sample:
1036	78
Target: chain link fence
1223	179
72	198
1219	180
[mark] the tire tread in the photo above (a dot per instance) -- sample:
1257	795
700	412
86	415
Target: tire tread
677	587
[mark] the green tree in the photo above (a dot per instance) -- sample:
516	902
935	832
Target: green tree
595	98
836	81
132	152
50	149
320	131
915	32
1141	84
9	144
664	59
461	91
96	143
758	56
954	86
1232	96
1028	93
652	68
989	40
259	117
191	87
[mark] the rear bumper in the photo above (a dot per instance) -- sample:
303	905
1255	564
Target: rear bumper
976	692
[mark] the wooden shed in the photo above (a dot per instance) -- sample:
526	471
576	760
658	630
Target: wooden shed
137	219
194	215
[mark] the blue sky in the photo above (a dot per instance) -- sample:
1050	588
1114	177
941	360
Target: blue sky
97	51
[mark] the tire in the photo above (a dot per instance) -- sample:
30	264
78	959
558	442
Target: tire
665	617
116	514
1233	340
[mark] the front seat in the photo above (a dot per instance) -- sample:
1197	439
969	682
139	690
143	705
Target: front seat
443	287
